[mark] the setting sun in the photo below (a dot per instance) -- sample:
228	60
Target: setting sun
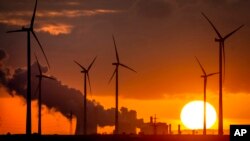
192	115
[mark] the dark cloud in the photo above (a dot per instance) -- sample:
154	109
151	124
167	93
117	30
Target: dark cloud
3	79
215	3
3	54
65	5
157	38
154	9
4	72
57	17
185	2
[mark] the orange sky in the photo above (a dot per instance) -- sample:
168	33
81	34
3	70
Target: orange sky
169	112
157	38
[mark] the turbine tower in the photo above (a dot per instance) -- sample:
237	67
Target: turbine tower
86	76
115	73
221	41
40	77
205	76
29	30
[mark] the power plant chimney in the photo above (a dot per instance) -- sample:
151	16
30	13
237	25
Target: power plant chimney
170	130
179	129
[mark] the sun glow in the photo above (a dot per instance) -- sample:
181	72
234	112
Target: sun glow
192	115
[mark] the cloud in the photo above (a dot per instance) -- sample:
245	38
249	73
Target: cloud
14	18
76	13
15	22
22	17
69	13
55	29
73	3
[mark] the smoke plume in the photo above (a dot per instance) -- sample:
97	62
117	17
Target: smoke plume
4	71
64	99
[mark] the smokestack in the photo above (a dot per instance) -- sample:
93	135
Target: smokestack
151	120
167	126
179	129
170	129
155	125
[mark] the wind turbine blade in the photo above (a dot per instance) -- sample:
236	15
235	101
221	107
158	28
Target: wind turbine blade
113	75
33	33
48	77
203	70
212	74
38	64
89	83
33	16
91	64
127	67
231	33
217	32
36	91
80	65
19	30
116	52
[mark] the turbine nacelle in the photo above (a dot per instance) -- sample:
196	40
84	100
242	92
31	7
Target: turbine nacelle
39	76
30	30
218	40
116	64
204	76
84	71
25	28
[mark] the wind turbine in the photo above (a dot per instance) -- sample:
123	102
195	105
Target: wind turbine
40	77
221	39
86	76
205	76
29	30
117	64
